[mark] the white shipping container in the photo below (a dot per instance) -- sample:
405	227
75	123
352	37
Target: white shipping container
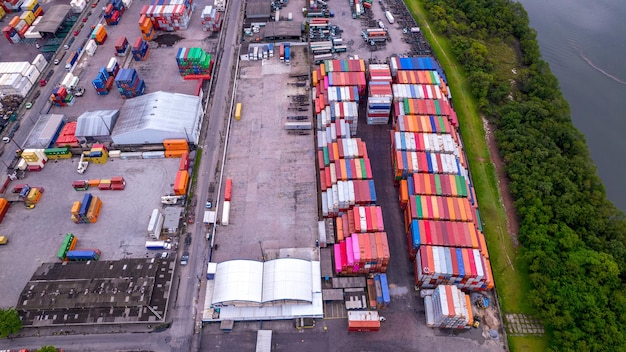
324	204
226	213
428	307
91	47
32	74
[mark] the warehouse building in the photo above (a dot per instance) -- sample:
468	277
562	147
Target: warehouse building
97	292
96	126
283	30
45	131
151	118
282	288
258	10
53	18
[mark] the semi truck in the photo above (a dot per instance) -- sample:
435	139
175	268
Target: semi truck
71	60
287	53
83	254
151	245
389	17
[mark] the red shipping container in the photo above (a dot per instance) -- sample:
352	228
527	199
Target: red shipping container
228	189
118	186
104	186
184	161
117	179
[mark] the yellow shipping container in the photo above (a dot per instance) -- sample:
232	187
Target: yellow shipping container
76	208
238	109
28	17
30	4
105	181
2	13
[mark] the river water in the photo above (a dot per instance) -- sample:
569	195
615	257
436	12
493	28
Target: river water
585	44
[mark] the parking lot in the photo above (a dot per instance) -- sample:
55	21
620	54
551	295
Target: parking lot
121	231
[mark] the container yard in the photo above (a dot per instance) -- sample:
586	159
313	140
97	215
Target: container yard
355	154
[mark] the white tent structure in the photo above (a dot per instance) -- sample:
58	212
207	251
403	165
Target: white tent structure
96	126
151	118
277	289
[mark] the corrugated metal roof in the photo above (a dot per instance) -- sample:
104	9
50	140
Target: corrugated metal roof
55	15
96	123
156	116
44	131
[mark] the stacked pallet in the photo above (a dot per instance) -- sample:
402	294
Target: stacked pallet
87	211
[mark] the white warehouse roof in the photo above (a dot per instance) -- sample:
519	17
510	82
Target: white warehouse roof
151	118
252	283
96	123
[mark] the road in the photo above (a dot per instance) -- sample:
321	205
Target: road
187	300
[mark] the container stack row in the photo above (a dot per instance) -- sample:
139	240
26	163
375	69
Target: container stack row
194	62
113	12
99	34
35	159
168	15
68	244
98	154
140	49
211	19
115	183
380	95
442	222
129	84
61	97
87	210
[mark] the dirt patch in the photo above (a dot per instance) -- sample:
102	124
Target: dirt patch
168	39
512	222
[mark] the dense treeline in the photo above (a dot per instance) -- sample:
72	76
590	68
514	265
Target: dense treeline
573	238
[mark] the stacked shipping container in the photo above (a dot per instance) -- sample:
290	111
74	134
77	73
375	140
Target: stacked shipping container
379	94
194	63
141	49
211	19
146	27
99	34
19	26
67	136
129	84
121	46
167	15
98	154
113	12
87	211
449	308
68	244
35	159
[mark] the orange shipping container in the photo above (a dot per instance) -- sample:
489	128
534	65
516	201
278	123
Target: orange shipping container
75	207
176	144
175	153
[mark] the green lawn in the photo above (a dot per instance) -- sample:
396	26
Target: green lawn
510	272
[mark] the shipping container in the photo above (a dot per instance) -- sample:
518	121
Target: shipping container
360	321
152	245
226	213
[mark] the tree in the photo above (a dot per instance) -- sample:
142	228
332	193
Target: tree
47	349
10	322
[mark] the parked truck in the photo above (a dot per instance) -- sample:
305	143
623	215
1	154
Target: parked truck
158	245
287	53
389	17
83	254
71	60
